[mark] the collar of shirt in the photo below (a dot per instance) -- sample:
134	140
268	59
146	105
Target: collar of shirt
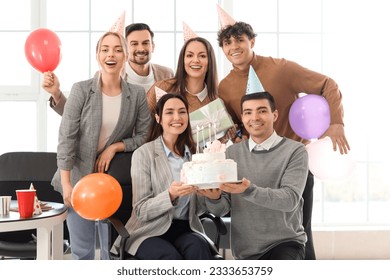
145	81
169	153
272	141
201	95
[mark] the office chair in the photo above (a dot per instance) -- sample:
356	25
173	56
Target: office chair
17	171
120	169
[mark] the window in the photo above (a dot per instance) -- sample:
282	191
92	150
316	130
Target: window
325	36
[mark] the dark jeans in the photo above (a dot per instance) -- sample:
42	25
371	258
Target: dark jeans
307	213
178	243
285	251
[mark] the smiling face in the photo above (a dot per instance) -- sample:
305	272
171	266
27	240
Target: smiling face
238	50
111	55
196	60
174	118
141	47
258	119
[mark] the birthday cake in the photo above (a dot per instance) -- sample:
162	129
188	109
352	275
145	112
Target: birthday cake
210	168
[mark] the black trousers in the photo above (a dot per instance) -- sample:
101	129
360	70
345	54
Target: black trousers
307	214
285	251
178	243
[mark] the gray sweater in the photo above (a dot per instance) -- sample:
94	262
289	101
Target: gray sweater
269	212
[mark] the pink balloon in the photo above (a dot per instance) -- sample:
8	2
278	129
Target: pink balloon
329	165
43	50
309	116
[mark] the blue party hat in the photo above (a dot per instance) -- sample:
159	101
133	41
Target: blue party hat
254	84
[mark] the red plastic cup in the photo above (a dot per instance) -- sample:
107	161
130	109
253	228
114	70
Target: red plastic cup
26	202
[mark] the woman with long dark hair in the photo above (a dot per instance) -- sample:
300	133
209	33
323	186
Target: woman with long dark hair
165	220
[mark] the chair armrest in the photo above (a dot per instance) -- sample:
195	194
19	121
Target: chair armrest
219	226
123	233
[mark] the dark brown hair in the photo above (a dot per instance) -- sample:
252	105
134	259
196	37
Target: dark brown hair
138	27
260	95
236	30
156	130
211	78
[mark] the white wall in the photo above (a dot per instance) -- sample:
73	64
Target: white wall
353	243
364	243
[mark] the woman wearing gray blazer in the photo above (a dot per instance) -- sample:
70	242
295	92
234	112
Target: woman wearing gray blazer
165	220
102	116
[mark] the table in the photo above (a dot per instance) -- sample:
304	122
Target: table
49	226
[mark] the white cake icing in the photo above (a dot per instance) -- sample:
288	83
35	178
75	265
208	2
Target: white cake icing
209	167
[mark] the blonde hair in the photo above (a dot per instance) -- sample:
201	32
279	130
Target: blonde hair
123	45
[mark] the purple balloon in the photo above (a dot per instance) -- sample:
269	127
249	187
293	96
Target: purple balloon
309	116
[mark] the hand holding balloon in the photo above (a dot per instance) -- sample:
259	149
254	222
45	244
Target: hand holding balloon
51	84
337	135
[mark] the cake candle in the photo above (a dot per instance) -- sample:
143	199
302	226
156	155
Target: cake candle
210	133
215	131
197	139
203	135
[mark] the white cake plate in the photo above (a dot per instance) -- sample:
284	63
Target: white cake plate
212	185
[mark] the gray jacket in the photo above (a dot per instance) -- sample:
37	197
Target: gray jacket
160	73
152	208
81	123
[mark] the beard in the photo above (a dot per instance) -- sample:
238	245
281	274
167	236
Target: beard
140	60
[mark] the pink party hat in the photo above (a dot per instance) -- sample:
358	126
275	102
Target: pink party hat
224	18
159	93
119	25
188	33
254	84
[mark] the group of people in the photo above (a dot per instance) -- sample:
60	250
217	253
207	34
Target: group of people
117	111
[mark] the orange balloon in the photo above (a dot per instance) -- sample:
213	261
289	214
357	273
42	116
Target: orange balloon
96	196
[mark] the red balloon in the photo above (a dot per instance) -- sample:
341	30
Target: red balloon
96	196
43	50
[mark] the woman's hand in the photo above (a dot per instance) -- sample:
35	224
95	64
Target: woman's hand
51	84
103	161
67	190
177	189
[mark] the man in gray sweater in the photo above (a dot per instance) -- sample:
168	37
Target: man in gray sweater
266	208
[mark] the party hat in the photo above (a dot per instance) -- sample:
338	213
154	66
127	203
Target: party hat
224	18
37	204
254	84
188	33
159	93
119	25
